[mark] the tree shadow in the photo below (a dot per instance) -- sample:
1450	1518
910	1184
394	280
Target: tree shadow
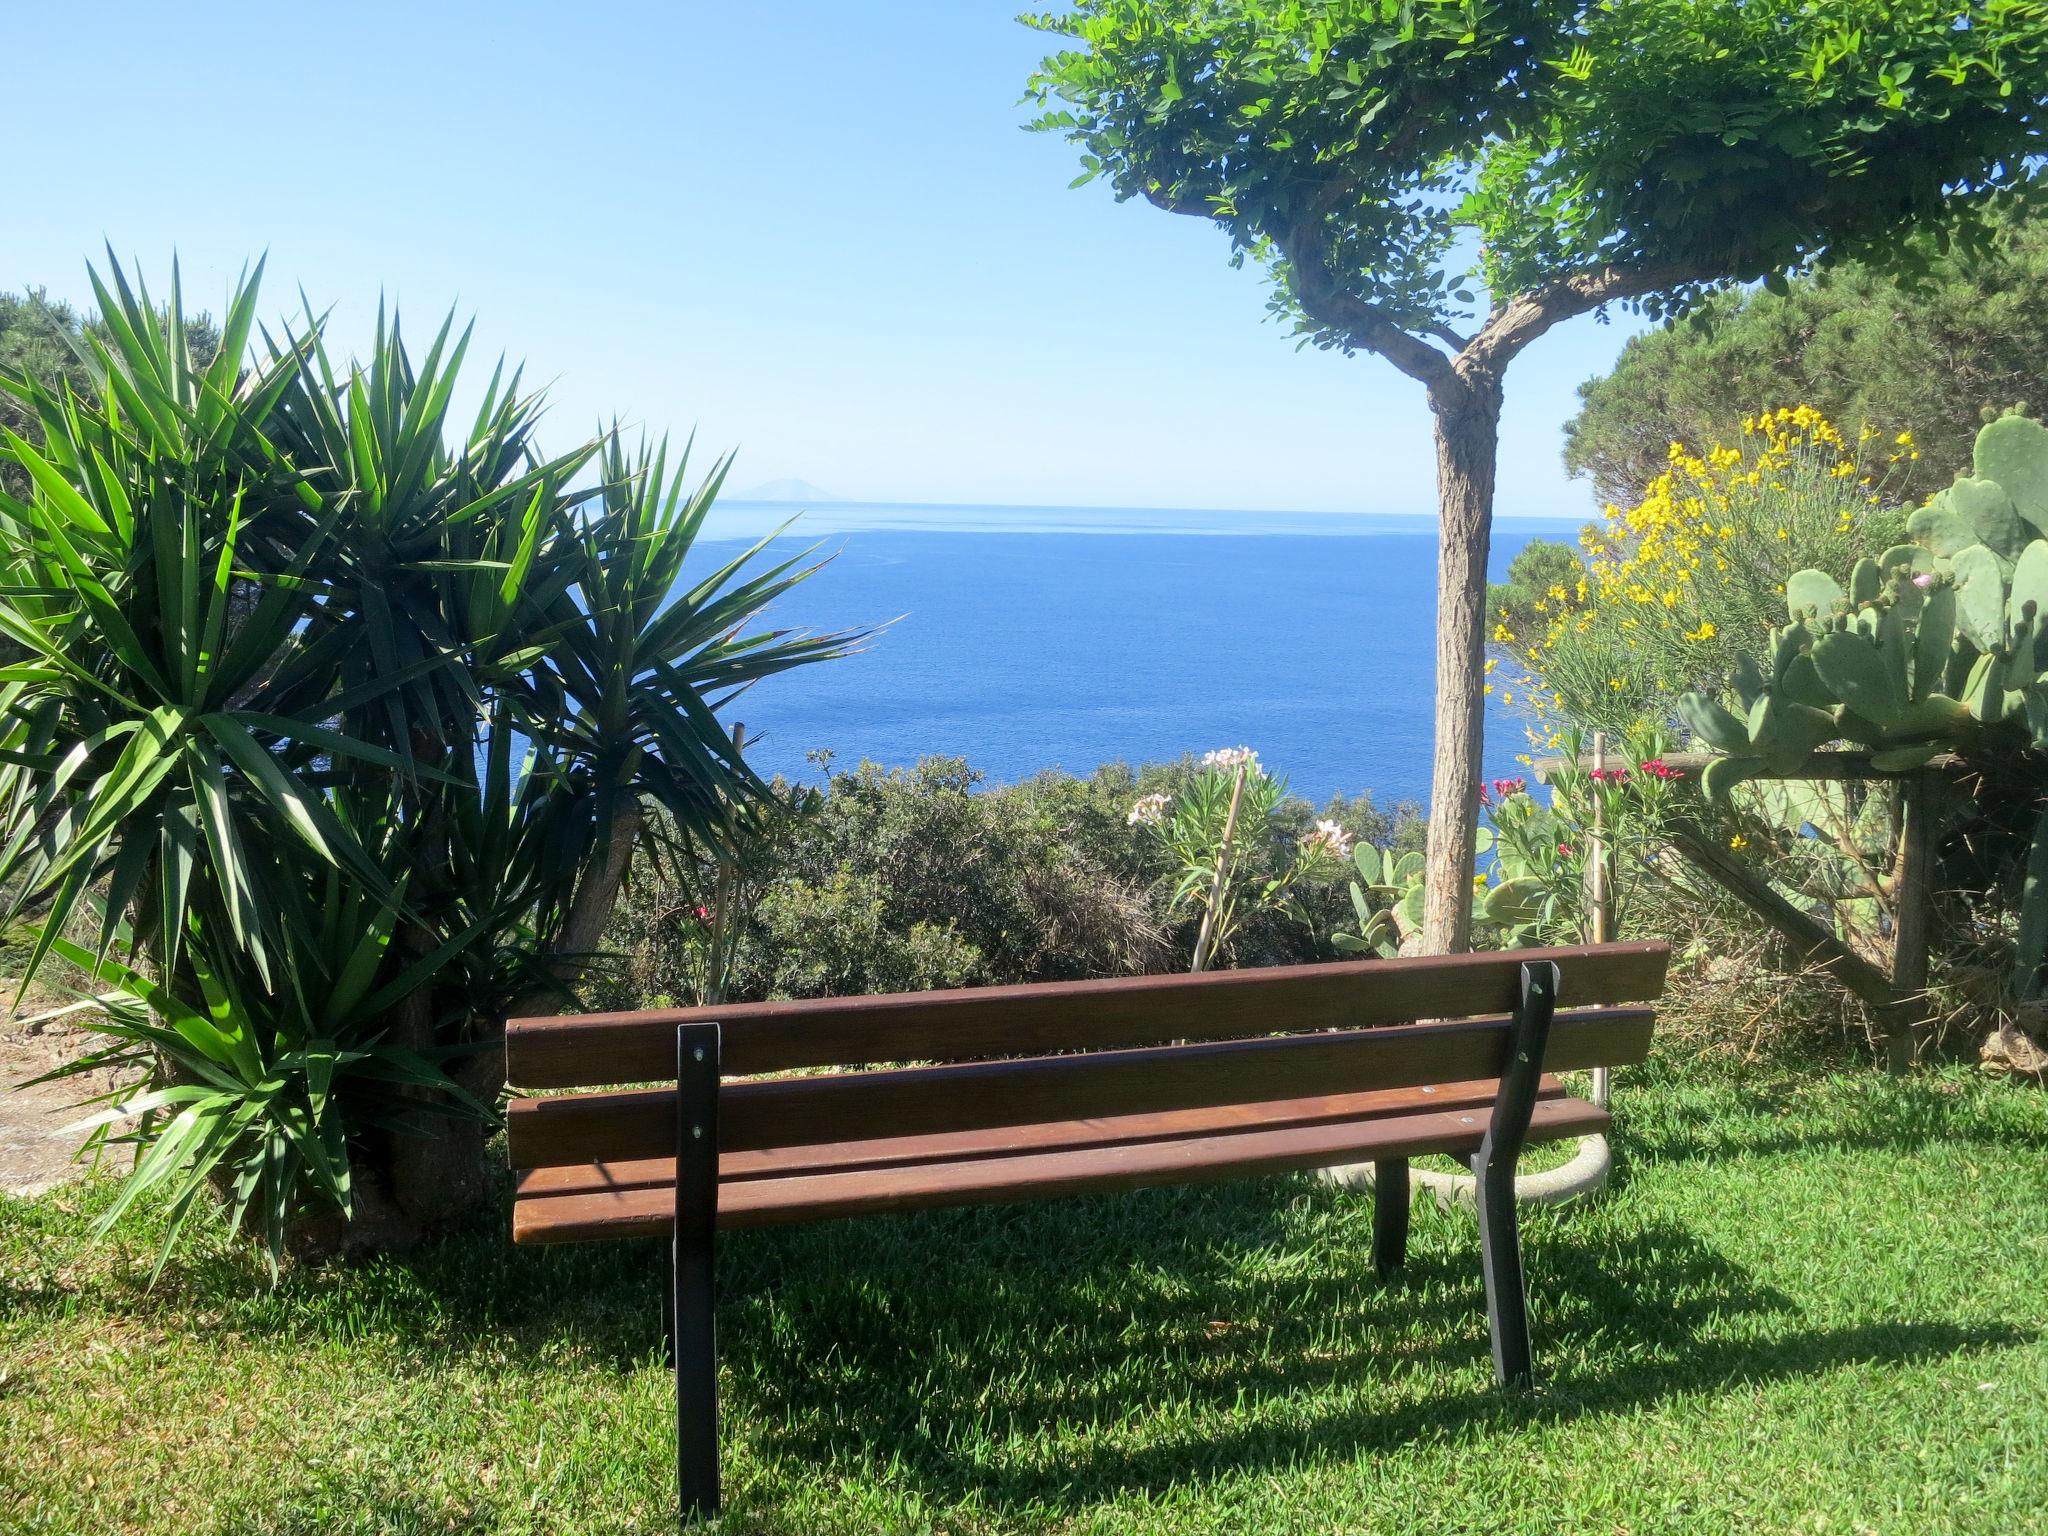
926	1349
1618	1324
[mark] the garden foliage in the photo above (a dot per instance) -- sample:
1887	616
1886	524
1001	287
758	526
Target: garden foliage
326	729
1937	644
1864	346
895	879
1664	595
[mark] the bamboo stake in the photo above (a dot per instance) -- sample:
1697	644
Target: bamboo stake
1600	883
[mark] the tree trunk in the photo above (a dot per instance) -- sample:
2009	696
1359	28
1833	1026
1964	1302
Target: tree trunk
597	893
413	1183
1467	447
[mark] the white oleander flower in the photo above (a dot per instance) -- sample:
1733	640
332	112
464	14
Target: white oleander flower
1149	811
1331	839
1231	757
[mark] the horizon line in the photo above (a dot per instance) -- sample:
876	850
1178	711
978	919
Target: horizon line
826	503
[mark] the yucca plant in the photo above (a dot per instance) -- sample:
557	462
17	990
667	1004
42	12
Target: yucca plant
327	731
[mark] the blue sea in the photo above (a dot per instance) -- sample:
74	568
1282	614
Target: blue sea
1027	638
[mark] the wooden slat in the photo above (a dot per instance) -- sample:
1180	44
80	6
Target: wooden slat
1007	1141
588	1050
650	1212
855	1106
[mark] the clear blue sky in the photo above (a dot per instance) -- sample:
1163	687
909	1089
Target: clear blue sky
814	231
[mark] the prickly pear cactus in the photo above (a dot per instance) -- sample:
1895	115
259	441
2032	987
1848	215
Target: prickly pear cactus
1939	645
1515	903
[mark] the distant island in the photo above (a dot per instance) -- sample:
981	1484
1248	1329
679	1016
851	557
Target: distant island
784	490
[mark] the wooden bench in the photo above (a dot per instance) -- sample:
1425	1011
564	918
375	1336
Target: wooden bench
1059	1089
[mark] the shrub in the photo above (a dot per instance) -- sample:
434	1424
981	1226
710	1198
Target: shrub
1938	645
889	879
334	720
1671	590
1864	347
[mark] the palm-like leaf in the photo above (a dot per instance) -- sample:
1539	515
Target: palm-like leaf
331	717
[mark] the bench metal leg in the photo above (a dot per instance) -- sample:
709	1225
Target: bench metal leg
1493	1168
1389	1213
695	1337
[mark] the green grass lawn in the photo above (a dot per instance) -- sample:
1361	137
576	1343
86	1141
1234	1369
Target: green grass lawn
1808	1304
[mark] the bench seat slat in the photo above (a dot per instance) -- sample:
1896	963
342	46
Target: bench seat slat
649	1211
588	1050
1065	1135
853	1106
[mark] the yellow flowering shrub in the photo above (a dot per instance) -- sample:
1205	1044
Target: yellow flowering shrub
1672	588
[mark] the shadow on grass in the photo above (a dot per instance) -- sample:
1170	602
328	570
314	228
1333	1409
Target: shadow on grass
1001	1354
854	1376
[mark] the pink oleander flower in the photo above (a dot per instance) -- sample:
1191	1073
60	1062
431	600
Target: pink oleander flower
1609	775
702	913
1564	850
1656	767
1329	838
1149	811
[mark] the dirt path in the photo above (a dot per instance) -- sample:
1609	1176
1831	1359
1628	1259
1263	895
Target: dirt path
34	1155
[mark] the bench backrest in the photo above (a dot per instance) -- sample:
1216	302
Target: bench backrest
1064	1050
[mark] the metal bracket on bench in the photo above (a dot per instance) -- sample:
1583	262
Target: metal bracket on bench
1493	1168
694	1343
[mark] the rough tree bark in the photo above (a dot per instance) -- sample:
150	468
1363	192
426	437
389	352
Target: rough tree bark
1463	376
412	1183
1467	413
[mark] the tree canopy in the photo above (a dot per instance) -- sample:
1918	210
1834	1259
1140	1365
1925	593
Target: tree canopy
1442	181
1862	346
1394	161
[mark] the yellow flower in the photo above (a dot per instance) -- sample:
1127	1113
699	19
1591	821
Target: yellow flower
1738	842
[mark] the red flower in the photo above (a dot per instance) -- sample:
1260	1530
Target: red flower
703	913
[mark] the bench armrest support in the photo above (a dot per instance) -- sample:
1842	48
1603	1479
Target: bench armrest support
1507	1303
